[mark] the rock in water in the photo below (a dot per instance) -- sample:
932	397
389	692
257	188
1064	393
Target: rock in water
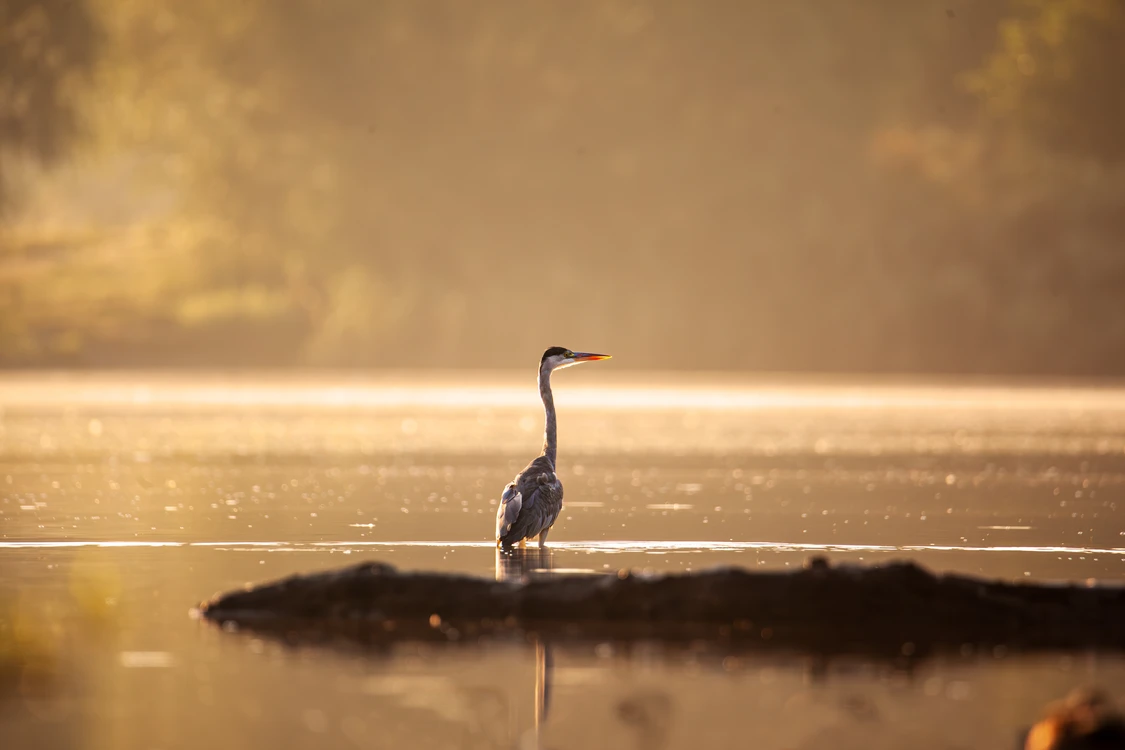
1085	720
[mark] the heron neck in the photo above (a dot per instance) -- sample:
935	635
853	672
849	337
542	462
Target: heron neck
550	433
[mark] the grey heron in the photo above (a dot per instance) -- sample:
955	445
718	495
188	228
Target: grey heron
531	502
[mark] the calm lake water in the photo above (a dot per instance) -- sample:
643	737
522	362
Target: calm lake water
127	499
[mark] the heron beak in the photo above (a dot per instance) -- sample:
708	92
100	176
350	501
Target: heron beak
588	357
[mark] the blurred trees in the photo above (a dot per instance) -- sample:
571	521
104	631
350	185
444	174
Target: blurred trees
1055	76
46	50
874	186
1032	189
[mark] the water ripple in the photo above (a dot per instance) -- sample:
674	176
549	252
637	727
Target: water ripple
607	546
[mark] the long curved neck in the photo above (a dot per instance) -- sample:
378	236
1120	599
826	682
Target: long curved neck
550	432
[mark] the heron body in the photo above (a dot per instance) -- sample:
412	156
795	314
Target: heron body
530	504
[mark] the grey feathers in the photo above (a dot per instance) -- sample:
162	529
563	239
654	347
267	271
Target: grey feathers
510	504
530	504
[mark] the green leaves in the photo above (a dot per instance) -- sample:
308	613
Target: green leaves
1055	76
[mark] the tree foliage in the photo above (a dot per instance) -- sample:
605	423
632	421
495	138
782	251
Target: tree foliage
1055	76
876	186
46	50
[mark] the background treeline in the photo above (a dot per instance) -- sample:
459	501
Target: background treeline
872	185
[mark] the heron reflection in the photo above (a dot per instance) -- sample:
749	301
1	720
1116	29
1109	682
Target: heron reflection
522	564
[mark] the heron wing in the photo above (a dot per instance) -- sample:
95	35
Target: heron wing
510	504
549	502
541	508
531	482
536	498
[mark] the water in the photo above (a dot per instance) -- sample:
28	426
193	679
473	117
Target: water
126	499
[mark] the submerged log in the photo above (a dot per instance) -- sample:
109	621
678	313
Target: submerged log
898	607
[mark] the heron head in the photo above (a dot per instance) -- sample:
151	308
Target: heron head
558	357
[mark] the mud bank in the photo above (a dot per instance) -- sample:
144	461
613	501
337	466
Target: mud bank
893	608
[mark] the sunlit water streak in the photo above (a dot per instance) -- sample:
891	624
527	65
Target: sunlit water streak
510	390
153	418
590	546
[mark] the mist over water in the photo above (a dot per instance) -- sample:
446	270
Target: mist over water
126	499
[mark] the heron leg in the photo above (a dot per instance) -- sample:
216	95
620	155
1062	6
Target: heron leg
523	544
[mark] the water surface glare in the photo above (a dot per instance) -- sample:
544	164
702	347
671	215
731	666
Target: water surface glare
599	546
126	499
506	390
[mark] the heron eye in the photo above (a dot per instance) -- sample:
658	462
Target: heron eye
569	353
